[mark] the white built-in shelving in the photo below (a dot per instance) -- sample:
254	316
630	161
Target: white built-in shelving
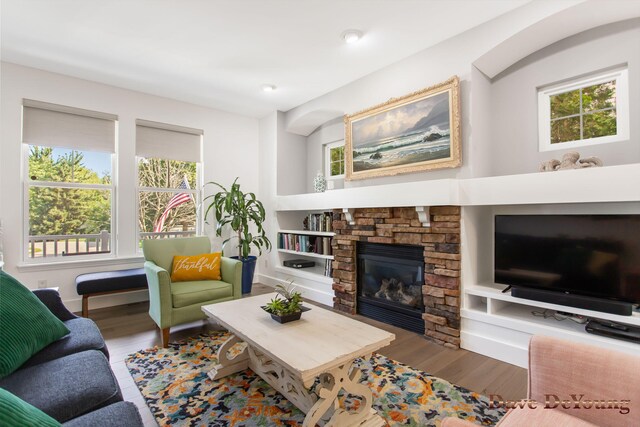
320	272
307	254
423	193
309	233
312	273
589	185
508	322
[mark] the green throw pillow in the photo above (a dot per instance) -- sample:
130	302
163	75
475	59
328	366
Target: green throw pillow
16	412
26	325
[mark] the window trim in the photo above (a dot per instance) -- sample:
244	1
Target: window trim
196	192
27	184
327	159
621	76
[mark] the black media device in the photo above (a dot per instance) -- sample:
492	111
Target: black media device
298	263
613	330
585	261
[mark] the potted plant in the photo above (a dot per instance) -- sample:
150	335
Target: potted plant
240	210
286	306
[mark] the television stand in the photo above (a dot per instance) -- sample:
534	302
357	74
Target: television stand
499	325
571	300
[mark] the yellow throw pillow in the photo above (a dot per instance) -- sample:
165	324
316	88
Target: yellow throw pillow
196	267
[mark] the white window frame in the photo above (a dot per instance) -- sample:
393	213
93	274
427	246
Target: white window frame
27	183
327	159
621	77
195	192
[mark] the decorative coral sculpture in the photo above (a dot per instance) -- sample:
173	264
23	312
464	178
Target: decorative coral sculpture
570	160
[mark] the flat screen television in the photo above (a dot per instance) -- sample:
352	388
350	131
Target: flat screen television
588	261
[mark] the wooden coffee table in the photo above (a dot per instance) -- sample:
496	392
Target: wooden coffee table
290	357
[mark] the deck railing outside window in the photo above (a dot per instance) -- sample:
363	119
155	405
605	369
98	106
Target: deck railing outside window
86	244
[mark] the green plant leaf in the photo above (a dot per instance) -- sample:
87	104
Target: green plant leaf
239	210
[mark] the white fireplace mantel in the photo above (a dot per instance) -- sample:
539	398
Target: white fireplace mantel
589	185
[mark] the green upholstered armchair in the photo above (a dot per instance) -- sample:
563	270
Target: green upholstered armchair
172	304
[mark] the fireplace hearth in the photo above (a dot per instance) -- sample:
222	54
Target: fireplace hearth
390	280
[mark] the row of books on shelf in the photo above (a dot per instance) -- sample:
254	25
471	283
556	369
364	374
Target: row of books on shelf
328	267
319	222
304	243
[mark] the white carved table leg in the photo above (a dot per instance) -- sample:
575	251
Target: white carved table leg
229	365
282	380
331	382
321	407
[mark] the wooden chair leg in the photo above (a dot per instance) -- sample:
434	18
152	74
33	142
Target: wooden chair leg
85	306
165	337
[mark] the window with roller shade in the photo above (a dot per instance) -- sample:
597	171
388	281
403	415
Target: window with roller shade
69	186
168	160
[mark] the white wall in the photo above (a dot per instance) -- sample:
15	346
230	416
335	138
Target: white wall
230	150
292	149
268	135
514	105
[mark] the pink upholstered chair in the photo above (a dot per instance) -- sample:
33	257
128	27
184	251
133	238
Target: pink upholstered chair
564	368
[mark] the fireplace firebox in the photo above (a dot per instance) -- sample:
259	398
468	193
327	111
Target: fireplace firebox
390	280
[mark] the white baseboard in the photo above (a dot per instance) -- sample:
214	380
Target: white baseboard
500	350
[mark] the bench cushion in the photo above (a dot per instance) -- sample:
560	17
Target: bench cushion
198	291
84	335
68	387
108	281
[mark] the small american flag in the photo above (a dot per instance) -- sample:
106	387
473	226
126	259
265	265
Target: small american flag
175	201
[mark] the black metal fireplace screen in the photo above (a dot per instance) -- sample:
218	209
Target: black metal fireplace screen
390	280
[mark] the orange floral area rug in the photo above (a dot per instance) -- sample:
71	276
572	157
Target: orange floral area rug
176	388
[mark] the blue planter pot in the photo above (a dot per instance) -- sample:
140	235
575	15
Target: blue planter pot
248	268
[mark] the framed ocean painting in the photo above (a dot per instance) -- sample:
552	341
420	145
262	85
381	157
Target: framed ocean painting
417	132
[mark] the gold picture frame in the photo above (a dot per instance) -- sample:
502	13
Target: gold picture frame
413	133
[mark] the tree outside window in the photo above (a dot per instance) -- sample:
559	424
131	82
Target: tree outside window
586	112
167	198
334	159
70	197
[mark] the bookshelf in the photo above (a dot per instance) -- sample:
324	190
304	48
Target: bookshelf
307	254
312	241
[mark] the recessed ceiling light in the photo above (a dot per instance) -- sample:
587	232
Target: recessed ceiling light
351	36
268	88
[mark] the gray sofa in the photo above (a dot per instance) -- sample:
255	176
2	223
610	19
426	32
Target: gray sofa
71	379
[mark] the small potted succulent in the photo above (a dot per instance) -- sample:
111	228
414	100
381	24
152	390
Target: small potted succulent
286	306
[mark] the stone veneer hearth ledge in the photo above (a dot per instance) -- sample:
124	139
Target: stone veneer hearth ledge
401	226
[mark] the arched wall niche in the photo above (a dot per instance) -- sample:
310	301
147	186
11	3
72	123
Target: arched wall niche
309	122
505	121
561	25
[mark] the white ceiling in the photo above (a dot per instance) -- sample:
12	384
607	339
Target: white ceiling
218	53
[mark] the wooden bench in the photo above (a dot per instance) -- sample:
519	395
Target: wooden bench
109	282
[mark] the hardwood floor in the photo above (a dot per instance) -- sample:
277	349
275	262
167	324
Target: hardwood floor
129	328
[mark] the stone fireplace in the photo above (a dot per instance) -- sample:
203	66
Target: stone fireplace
437	308
389	283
